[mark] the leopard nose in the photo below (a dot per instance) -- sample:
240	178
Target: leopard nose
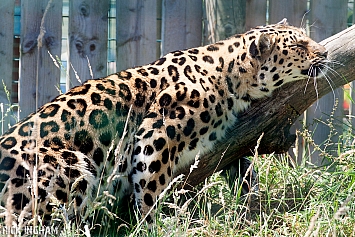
319	50
322	51
324	54
321	54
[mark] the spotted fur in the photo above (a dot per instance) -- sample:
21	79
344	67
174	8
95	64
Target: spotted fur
145	123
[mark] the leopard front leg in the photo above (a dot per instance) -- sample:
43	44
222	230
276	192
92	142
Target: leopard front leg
152	171
162	148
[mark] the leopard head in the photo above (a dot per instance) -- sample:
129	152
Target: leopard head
283	54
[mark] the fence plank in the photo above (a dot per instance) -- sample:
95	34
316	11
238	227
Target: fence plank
255	13
223	19
36	63
87	40
293	10
327	18
181	24
136	33
159	26
6	59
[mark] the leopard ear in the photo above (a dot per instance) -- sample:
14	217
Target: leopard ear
262	46
266	43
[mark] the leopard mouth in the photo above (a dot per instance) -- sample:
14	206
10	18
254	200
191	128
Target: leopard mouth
318	65
314	70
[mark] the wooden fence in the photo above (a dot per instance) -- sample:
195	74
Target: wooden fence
60	43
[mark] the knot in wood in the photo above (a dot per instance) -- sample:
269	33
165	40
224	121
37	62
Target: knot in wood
84	9
50	41
228	30
79	45
29	43
92	47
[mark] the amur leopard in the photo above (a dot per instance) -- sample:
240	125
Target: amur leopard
132	131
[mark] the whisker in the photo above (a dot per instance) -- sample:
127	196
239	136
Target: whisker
310	70
334	62
331	70
328	80
309	77
315	85
313	25
303	18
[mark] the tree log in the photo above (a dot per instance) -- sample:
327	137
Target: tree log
274	115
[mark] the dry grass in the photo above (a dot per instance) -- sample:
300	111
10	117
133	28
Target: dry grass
293	200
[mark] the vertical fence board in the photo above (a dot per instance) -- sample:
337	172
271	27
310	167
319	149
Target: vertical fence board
327	17
87	40
181	24
136	33
293	10
37	65
223	19
6	59
255	13
159	26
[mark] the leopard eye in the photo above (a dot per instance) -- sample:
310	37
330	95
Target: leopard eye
301	46
298	46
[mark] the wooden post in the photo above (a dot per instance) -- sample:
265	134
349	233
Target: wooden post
87	40
327	17
39	76
255	13
136	33
295	12
6	61
181	25
159	27
223	19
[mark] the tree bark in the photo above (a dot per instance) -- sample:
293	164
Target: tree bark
274	115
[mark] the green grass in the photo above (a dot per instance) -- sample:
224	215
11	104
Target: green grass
293	200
